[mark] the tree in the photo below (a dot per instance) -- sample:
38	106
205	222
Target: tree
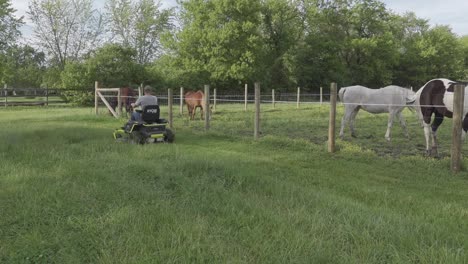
65	29
464	43
221	40
115	66
8	34
111	65
316	57
25	66
170	71
139	26
9	24
78	82
347	41
441	54
282	28
408	30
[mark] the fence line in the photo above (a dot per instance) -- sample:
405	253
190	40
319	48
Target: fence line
218	99
46	93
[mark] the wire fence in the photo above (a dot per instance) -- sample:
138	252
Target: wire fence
282	114
37	96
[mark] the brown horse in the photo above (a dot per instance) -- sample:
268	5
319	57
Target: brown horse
127	97
193	101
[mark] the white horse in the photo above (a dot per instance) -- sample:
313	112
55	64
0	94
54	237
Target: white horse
390	99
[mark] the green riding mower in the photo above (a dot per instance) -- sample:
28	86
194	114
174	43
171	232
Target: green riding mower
150	129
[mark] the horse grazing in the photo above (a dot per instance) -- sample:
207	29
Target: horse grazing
193	101
436	98
390	99
127	97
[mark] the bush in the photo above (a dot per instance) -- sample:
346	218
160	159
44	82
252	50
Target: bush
80	98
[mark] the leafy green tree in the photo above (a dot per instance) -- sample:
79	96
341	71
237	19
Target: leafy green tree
79	83
282	28
115	66
111	65
77	76
9	32
408	30
347	41
441	54
368	48
220	39
25	66
141	32
9	24
464	44
52	76
316	57
169	71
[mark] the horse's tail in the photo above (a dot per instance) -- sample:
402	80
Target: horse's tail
410	100
341	93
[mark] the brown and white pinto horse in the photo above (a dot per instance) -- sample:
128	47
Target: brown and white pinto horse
127	97
193	101
436	98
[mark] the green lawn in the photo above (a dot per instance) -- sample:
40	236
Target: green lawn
70	194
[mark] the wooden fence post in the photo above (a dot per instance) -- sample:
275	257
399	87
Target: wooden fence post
214	100
458	100
321	95
119	103
245	98
273	98
207	107
6	94
96	87
181	110
298	96
257	111
170	99
47	94
331	126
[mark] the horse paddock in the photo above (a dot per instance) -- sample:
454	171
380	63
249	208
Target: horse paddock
72	194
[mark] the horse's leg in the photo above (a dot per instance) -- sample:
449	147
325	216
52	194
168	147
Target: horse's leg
391	116
346	117
128	109
202	113
192	112
352	120
464	127
343	124
189	112
438	119
403	123
427	136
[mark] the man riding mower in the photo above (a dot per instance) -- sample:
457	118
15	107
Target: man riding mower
148	129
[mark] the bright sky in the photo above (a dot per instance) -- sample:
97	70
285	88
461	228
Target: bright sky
438	12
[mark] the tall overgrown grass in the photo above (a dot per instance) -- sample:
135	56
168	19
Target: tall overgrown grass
70	194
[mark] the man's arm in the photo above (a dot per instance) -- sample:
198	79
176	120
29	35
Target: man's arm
137	103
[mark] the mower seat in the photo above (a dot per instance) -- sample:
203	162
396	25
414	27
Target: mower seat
150	114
